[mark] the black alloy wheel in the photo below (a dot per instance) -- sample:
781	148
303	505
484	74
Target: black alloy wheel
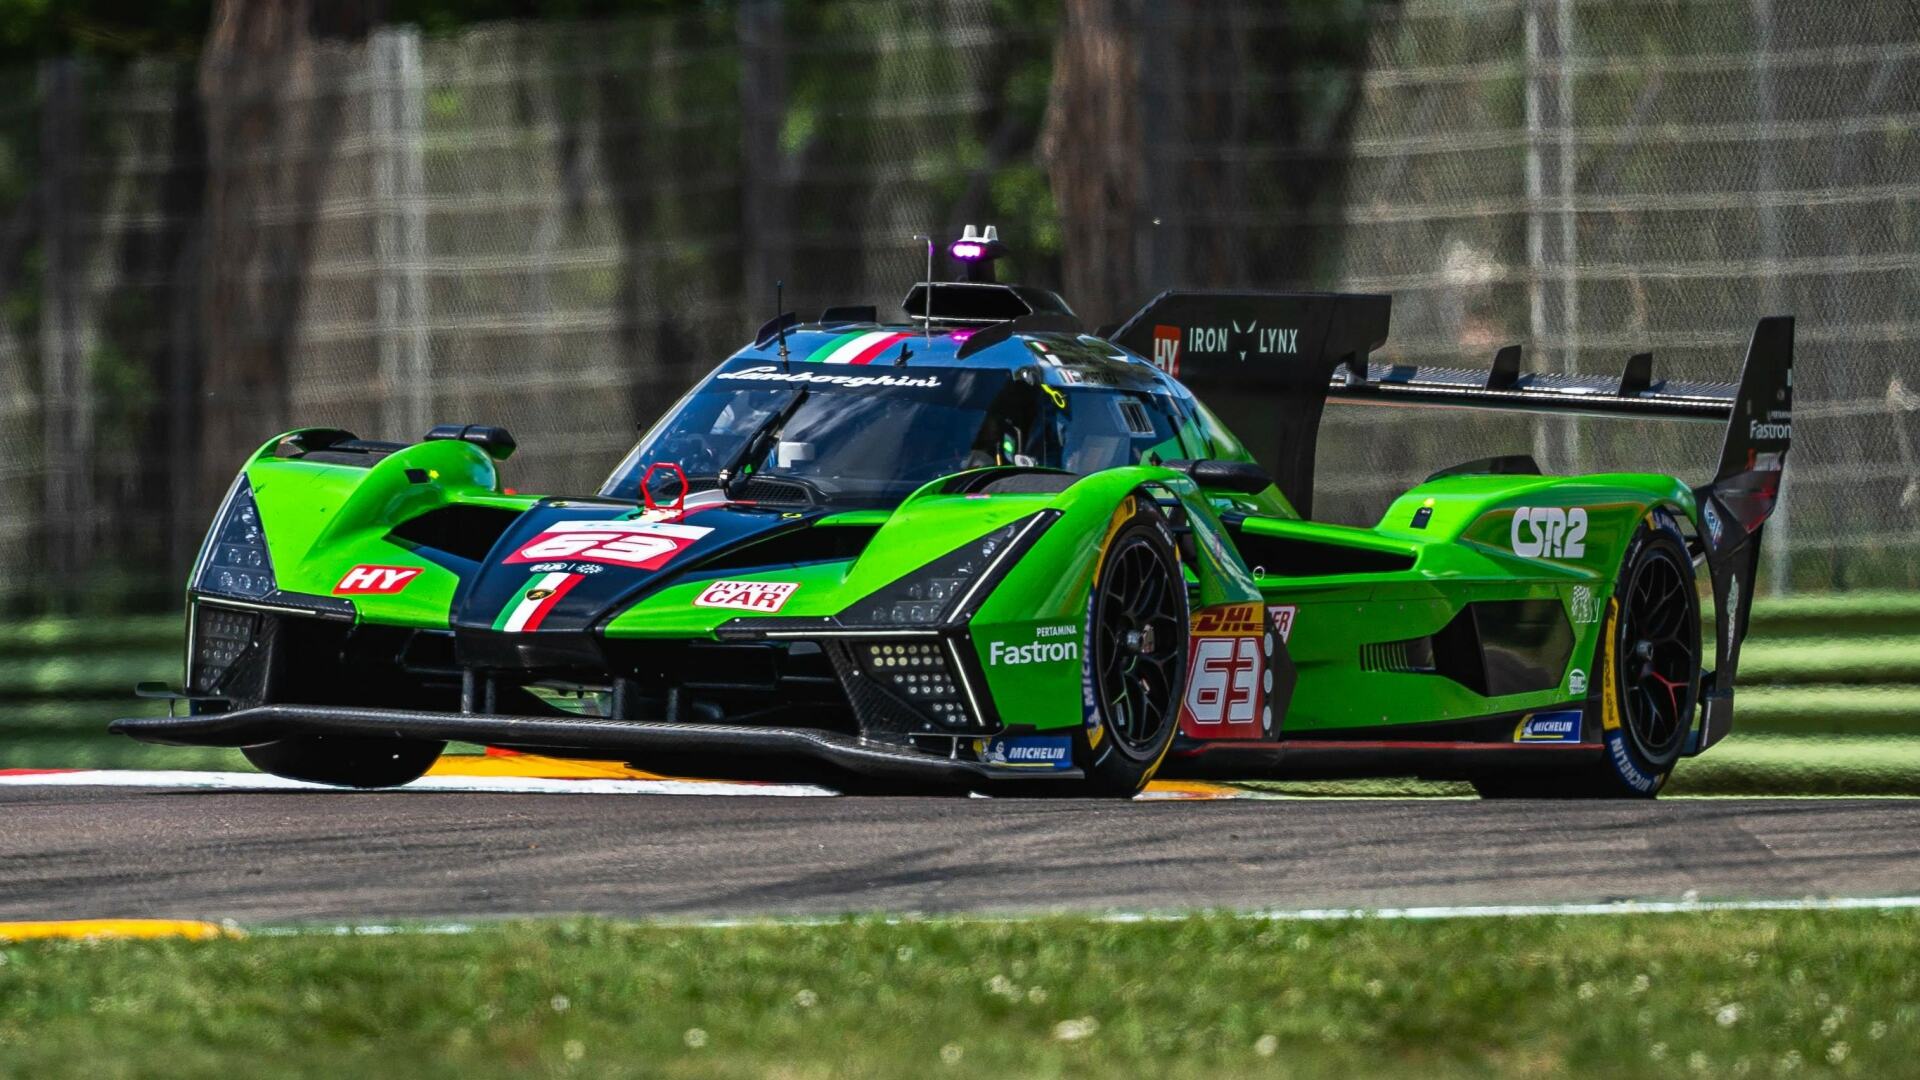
1659	648
1138	623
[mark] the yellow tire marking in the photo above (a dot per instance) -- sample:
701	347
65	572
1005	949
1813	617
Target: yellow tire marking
81	929
1609	694
1121	515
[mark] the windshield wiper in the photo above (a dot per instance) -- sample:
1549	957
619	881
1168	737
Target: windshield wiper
755	444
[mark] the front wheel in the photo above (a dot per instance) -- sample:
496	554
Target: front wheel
1136	655
346	762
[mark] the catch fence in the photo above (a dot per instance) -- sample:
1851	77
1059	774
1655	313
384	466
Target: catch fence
557	227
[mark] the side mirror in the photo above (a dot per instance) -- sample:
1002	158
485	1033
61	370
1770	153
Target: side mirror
496	441
1244	477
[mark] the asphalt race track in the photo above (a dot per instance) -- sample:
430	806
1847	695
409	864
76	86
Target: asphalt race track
359	857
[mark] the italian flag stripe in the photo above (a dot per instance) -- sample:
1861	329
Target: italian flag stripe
873	350
855	348
820	354
529	609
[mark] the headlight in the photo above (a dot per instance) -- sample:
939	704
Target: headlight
234	561
947	588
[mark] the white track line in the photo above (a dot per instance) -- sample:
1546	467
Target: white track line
1620	907
1624	907
242	781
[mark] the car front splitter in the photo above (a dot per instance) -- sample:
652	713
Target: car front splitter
572	736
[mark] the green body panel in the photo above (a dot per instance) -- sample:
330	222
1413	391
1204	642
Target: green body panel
323	520
1463	554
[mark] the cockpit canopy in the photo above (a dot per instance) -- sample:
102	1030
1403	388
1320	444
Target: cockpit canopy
872	438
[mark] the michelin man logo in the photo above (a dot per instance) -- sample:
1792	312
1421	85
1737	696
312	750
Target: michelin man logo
1714	528
1584	609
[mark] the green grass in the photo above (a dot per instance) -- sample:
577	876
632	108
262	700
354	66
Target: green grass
1828	710
87	635
112	752
61	675
1822	614
1802	661
1803	765
1721	994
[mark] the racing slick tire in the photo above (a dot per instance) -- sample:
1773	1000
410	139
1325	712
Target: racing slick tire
346	762
1647	665
1135	667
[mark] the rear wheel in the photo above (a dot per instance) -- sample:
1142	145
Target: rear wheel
1136	657
1648	674
346	762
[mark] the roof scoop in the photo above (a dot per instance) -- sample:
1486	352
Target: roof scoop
975	251
977	299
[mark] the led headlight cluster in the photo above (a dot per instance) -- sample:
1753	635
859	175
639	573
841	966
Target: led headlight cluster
220	637
235	560
934	592
918	672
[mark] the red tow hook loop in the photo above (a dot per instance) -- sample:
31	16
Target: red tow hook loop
646	485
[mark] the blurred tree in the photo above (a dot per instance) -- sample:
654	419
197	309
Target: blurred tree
1154	108
269	137
442	16
35	29
1095	147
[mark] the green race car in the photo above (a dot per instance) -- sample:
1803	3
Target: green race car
983	549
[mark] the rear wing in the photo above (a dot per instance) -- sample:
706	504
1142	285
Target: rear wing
1268	363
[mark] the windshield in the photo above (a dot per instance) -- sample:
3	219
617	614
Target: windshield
875	444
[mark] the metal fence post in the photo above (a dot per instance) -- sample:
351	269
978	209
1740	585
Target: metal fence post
1535	199
66	390
397	100
1779	556
766	216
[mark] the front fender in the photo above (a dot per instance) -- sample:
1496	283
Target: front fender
1043	600
322	519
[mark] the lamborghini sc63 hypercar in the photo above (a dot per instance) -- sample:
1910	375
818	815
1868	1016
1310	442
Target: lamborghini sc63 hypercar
984	549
